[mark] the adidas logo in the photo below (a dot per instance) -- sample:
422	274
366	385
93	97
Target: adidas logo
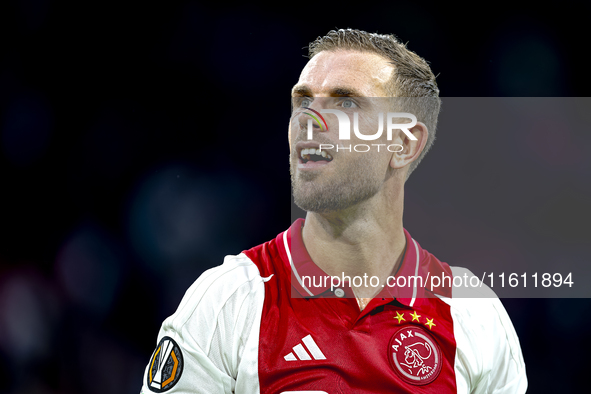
302	354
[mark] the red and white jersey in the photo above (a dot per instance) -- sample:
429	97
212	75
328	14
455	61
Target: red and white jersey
239	329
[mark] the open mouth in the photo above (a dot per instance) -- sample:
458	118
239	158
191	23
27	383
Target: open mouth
314	155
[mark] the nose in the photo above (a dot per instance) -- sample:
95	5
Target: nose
306	119
311	119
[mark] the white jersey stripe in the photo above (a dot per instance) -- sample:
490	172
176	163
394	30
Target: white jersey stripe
313	348
293	269
290	357
414	290
301	352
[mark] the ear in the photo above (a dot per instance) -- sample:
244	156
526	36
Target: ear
409	150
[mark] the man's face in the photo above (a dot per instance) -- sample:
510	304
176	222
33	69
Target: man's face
347	81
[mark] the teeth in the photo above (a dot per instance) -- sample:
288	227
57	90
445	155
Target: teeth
305	153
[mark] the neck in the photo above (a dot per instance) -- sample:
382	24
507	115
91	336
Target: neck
366	239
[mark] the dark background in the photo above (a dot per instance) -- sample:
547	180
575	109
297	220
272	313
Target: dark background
140	143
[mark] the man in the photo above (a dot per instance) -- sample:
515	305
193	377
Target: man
265	322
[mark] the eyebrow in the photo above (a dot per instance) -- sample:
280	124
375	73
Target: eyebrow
338	91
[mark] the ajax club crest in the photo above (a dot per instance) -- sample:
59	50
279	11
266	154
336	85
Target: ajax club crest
414	355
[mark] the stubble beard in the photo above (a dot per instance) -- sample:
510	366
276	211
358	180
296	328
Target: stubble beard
352	184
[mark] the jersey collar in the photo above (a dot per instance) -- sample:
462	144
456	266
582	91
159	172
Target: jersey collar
301	265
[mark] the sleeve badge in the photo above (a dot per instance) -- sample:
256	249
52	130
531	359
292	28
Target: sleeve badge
166	366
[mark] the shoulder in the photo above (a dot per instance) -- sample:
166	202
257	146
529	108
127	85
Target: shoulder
224	287
479	312
214	331
219	312
475	302
234	290
488	349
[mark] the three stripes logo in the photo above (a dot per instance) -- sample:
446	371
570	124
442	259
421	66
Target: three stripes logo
166	366
313	351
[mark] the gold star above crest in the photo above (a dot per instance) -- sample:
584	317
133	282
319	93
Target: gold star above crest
400	317
430	323
415	316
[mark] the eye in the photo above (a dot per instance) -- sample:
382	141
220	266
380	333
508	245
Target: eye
306	102
348	103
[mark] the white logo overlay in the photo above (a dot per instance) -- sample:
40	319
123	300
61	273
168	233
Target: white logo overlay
349	124
345	125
